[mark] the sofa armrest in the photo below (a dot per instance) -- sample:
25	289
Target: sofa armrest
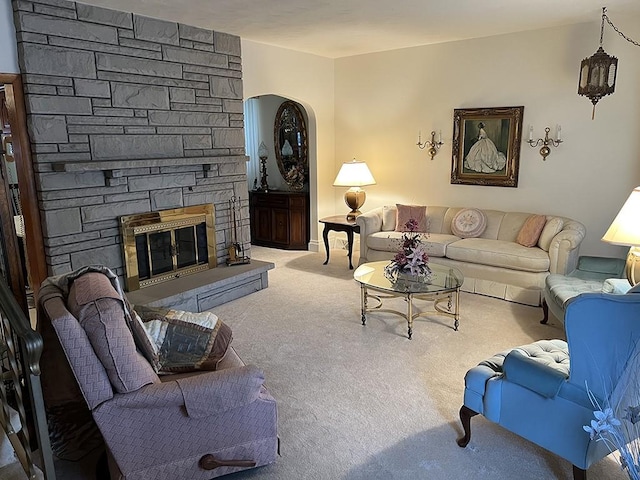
201	394
563	251
532	374
369	222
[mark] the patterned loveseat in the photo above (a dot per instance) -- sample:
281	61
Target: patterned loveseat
493	263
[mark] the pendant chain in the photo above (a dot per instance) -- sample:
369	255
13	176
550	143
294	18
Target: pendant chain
605	17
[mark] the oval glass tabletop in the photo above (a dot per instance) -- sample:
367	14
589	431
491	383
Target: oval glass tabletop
443	279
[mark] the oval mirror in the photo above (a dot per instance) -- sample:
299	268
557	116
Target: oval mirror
290	141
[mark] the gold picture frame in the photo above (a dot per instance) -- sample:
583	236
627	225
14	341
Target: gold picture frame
486	146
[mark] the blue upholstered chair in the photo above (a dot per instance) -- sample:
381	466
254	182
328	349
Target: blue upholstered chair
593	274
538	391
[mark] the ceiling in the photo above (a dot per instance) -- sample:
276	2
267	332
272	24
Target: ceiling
340	28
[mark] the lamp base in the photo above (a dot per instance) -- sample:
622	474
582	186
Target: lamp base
352	215
630	267
354	198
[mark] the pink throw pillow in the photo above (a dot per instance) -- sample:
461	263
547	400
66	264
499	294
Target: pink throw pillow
530	232
405	213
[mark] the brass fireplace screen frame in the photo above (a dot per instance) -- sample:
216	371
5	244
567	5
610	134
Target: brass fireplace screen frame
166	221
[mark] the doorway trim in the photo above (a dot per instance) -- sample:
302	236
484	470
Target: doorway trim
36	264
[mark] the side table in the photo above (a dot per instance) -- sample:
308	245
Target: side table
339	223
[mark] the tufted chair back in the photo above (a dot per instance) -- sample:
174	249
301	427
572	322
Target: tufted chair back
545	391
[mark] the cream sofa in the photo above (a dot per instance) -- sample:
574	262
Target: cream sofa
493	264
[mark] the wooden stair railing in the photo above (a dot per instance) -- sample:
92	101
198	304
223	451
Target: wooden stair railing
20	387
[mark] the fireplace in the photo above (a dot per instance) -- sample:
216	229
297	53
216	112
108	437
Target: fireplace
163	245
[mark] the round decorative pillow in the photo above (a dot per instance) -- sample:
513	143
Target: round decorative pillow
469	223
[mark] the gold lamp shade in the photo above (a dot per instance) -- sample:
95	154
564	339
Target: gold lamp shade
625	230
354	174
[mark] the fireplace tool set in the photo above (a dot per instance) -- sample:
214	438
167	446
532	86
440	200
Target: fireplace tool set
236	248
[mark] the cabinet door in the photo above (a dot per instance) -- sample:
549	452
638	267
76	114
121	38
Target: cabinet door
298	223
280	226
298	229
261	224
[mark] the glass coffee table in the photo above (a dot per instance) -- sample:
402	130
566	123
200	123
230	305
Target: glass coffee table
444	287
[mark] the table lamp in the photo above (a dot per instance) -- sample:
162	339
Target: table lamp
625	230
354	174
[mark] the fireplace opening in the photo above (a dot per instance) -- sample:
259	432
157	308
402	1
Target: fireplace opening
160	246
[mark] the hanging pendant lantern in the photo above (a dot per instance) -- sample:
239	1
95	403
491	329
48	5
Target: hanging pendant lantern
598	73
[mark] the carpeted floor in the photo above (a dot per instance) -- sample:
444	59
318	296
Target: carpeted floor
364	402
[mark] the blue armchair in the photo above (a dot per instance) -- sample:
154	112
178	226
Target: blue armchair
538	391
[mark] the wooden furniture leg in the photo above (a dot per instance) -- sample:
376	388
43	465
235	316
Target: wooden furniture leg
579	474
545	312
465	417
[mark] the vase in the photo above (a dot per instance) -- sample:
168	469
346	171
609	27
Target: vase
414	277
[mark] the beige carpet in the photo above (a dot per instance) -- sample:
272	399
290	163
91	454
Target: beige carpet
364	402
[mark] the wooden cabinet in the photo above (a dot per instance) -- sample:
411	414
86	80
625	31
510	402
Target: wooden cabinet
280	219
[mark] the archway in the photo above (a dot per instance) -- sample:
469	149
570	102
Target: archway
259	113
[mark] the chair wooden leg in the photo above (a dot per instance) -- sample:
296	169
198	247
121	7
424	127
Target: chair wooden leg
465	417
102	467
545	312
579	474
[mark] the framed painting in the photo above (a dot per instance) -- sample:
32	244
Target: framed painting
486	146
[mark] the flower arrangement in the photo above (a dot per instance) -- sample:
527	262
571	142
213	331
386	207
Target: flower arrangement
412	259
617	420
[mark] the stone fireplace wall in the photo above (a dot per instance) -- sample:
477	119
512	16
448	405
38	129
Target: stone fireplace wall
127	114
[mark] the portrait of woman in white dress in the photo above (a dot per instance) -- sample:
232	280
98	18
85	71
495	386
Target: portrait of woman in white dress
483	156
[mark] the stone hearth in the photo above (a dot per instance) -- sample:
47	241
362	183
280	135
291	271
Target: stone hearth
204	290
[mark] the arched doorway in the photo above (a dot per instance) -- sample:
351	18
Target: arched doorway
259	116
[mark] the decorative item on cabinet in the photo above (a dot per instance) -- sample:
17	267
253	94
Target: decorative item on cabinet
280	219
263	154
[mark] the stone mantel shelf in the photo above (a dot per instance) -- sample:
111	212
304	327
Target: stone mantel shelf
114	165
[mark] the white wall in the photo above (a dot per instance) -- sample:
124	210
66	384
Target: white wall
309	80
383	99
380	101
8	49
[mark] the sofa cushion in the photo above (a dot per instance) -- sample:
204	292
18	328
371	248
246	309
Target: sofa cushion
550	230
435	243
404	213
498	253
530	232
100	311
562	288
389	218
469	223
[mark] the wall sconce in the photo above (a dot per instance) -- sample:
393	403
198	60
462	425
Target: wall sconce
546	142
433	145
